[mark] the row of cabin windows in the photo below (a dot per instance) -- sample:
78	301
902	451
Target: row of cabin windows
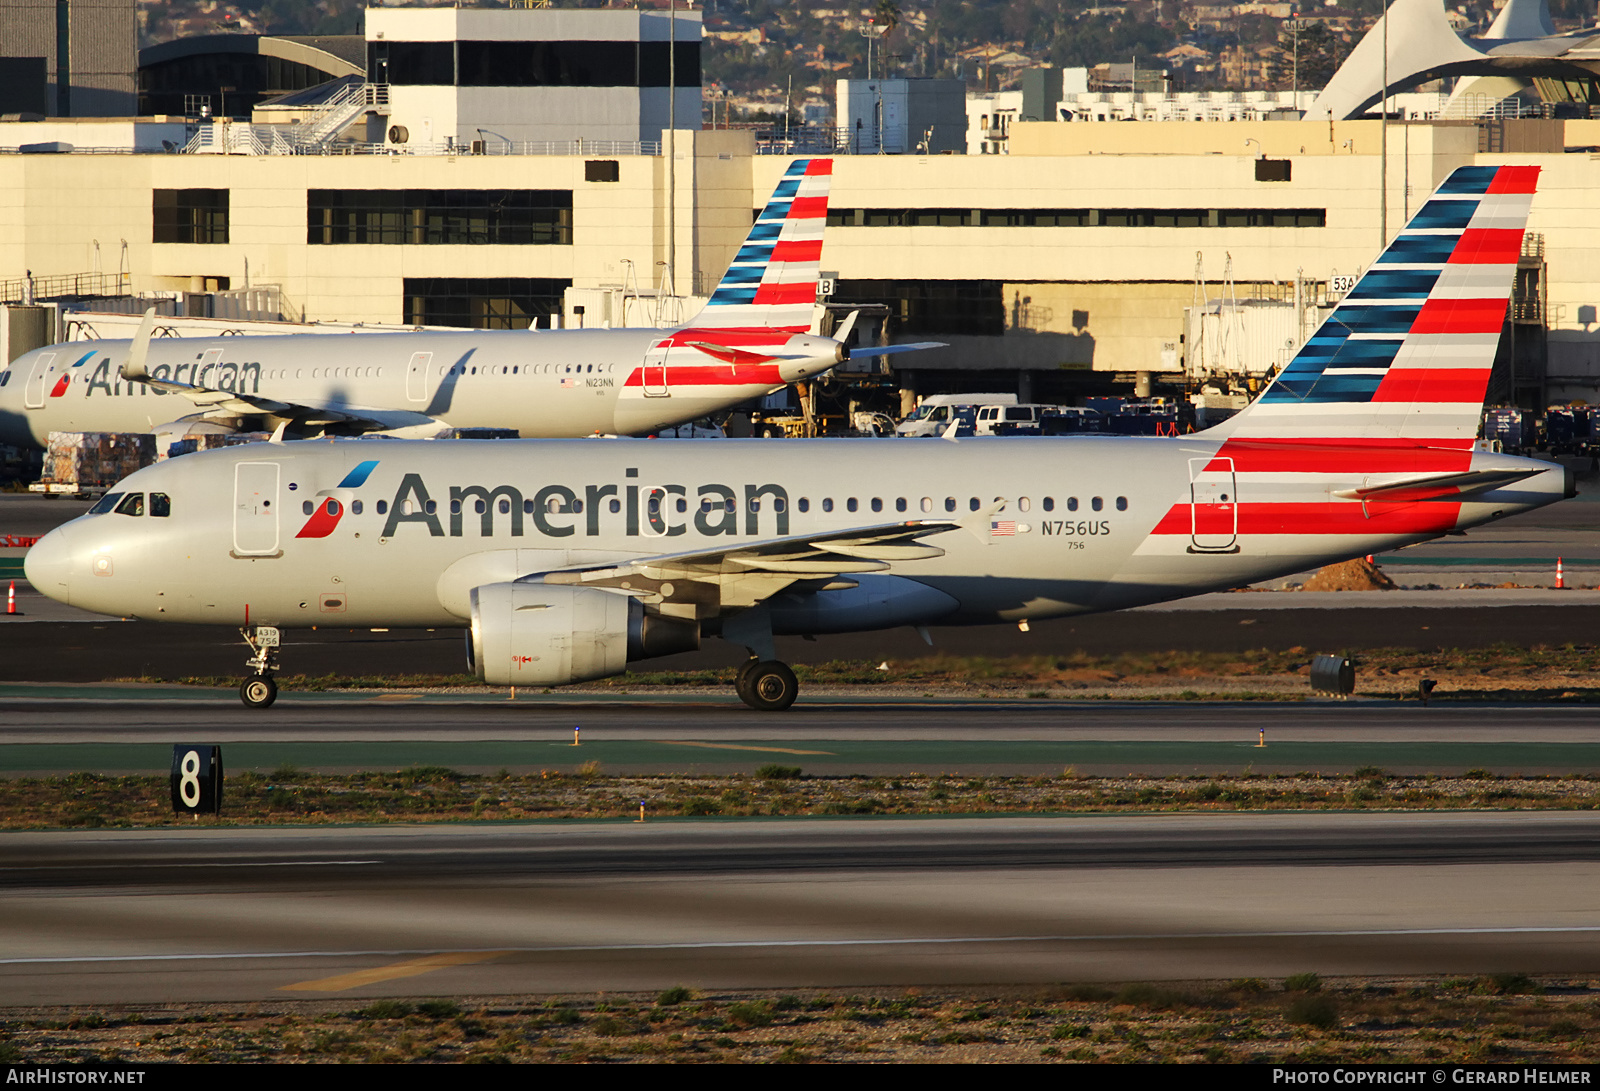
681	504
377	372
951	503
1077	217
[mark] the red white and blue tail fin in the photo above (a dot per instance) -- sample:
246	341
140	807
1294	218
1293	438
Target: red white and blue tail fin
772	282
1407	353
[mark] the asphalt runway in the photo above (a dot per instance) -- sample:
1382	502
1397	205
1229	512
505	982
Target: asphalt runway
142	917
107	650
132	730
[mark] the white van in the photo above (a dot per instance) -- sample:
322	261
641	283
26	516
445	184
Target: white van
1011	419
933	416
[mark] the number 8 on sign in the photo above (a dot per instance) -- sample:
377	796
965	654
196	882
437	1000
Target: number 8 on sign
189	783
196	779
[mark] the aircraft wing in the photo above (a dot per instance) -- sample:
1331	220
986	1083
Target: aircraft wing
136	370
229	401
704	583
1437	486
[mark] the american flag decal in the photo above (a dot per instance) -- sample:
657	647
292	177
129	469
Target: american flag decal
569	382
1003	528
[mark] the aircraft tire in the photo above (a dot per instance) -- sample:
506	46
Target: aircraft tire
767	687
258	691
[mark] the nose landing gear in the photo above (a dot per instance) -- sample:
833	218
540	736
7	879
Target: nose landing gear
259	690
766	685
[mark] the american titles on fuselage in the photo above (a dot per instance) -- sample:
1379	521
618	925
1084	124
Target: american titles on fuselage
647	510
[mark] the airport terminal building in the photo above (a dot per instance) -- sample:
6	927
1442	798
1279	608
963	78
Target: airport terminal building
1078	260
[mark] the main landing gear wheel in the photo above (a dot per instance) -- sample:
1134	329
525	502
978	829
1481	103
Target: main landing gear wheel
767	686
258	691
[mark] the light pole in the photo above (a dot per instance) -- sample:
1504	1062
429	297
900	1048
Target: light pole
672	144
1383	146
1293	26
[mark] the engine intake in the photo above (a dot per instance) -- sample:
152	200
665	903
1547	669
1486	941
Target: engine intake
535	634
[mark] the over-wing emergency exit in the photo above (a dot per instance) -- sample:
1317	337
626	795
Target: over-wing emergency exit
566	561
753	336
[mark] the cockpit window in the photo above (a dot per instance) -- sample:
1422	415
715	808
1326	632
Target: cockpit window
132	504
107	502
160	505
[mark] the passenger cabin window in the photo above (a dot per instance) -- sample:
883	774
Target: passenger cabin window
1049	503
1072	503
132	504
1097	503
1122	503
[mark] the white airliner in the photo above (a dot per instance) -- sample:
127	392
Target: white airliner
567	560
753	336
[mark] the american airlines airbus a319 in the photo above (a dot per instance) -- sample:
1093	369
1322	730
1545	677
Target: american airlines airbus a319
753	336
567	560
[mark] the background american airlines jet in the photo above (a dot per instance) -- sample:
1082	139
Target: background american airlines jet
750	339
568	560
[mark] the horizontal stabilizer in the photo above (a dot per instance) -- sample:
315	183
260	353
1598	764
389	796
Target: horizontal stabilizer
866	351
1438	486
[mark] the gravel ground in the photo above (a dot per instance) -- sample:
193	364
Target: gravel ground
1506	1019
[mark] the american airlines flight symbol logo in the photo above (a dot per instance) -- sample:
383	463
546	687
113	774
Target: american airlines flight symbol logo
330	508
66	376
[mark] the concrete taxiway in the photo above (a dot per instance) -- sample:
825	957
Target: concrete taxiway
151	916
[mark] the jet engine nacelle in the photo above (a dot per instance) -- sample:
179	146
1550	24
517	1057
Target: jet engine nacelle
534	634
195	425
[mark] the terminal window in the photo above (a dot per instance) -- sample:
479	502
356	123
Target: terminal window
440	217
1078	217
534	64
483	303
189	215
933	306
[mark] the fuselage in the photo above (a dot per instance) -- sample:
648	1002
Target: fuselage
367	533
555	383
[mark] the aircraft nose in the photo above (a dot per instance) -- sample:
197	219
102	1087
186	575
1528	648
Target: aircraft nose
48	565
